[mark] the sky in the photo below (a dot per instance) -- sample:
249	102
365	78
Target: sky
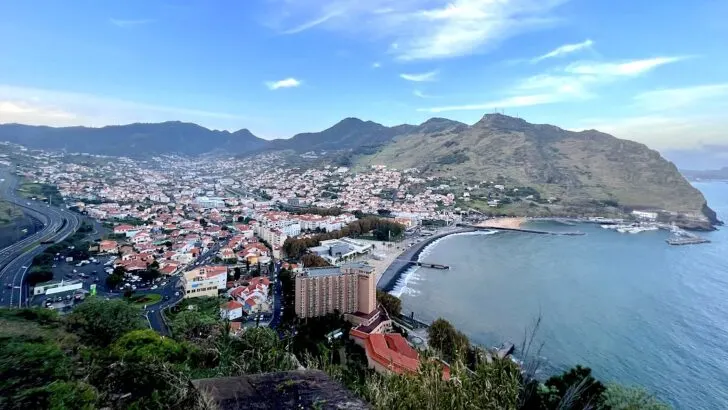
655	72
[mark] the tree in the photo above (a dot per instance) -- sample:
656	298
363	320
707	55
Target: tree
147	345
575	388
451	343
114	280
311	260
241	219
154	265
390	303
618	397
25	366
203	223
237	273
192	324
100	322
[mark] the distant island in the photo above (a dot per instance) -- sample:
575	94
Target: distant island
709	175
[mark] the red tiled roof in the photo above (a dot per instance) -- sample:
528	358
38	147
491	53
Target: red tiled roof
233	304
384	350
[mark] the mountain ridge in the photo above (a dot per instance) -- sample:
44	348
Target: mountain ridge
578	168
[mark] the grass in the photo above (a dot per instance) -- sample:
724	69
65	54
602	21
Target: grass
146	299
8	212
40	191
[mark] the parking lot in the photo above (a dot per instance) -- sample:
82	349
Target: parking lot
93	272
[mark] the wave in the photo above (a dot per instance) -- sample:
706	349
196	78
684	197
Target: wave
410	276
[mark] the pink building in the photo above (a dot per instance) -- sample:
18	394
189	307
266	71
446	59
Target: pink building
349	288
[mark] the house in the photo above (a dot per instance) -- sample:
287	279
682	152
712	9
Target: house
140	237
231	310
227	254
108	247
124	229
169	269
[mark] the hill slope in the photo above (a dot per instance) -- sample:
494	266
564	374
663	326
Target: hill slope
576	167
133	139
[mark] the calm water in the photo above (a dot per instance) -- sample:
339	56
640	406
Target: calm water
631	307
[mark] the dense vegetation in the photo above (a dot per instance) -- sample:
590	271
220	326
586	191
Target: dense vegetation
101	356
380	228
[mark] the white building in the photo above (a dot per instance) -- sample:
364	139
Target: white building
231	310
645	215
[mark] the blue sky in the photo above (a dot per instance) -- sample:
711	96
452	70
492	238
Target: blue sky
645	70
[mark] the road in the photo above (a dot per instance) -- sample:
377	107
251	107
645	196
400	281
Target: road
153	313
15	260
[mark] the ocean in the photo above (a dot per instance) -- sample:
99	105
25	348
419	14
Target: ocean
634	309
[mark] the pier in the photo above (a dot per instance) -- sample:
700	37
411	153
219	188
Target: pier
424	264
534	231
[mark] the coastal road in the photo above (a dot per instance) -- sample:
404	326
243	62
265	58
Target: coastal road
15	260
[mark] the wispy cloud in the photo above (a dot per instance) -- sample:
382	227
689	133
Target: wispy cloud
510	102
421	77
312	23
564	50
664	132
420	94
685	97
627	68
286	83
130	23
575	82
62	108
422	30
376	65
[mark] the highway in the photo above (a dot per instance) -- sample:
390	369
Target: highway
15	260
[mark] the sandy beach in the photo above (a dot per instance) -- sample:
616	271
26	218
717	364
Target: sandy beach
510	223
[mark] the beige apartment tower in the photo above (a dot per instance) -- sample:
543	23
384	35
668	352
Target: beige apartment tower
348	288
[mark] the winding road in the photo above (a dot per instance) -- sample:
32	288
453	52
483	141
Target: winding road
15	260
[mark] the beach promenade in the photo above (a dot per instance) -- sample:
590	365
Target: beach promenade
388	278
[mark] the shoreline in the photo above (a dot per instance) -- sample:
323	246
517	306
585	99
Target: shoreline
388	279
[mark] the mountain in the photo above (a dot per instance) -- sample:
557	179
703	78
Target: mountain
585	171
711	174
133	139
347	134
580	169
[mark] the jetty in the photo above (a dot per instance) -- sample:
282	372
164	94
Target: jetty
424	264
534	231
686	241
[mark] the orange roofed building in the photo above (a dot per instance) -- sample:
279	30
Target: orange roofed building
387	352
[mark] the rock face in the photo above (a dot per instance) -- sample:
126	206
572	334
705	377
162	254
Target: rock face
576	167
298	389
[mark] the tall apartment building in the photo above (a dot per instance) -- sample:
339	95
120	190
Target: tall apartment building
349	288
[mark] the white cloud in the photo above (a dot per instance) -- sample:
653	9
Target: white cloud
62	108
420	94
421	77
678	98
564	50
575	82
664	132
510	102
313	23
376	65
628	68
287	83
130	23
423	29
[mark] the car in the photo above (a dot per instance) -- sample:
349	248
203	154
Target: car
53	266
154	287
176	293
133	287
9	285
166	297
163	284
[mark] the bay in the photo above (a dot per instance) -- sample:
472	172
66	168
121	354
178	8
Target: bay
634	309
